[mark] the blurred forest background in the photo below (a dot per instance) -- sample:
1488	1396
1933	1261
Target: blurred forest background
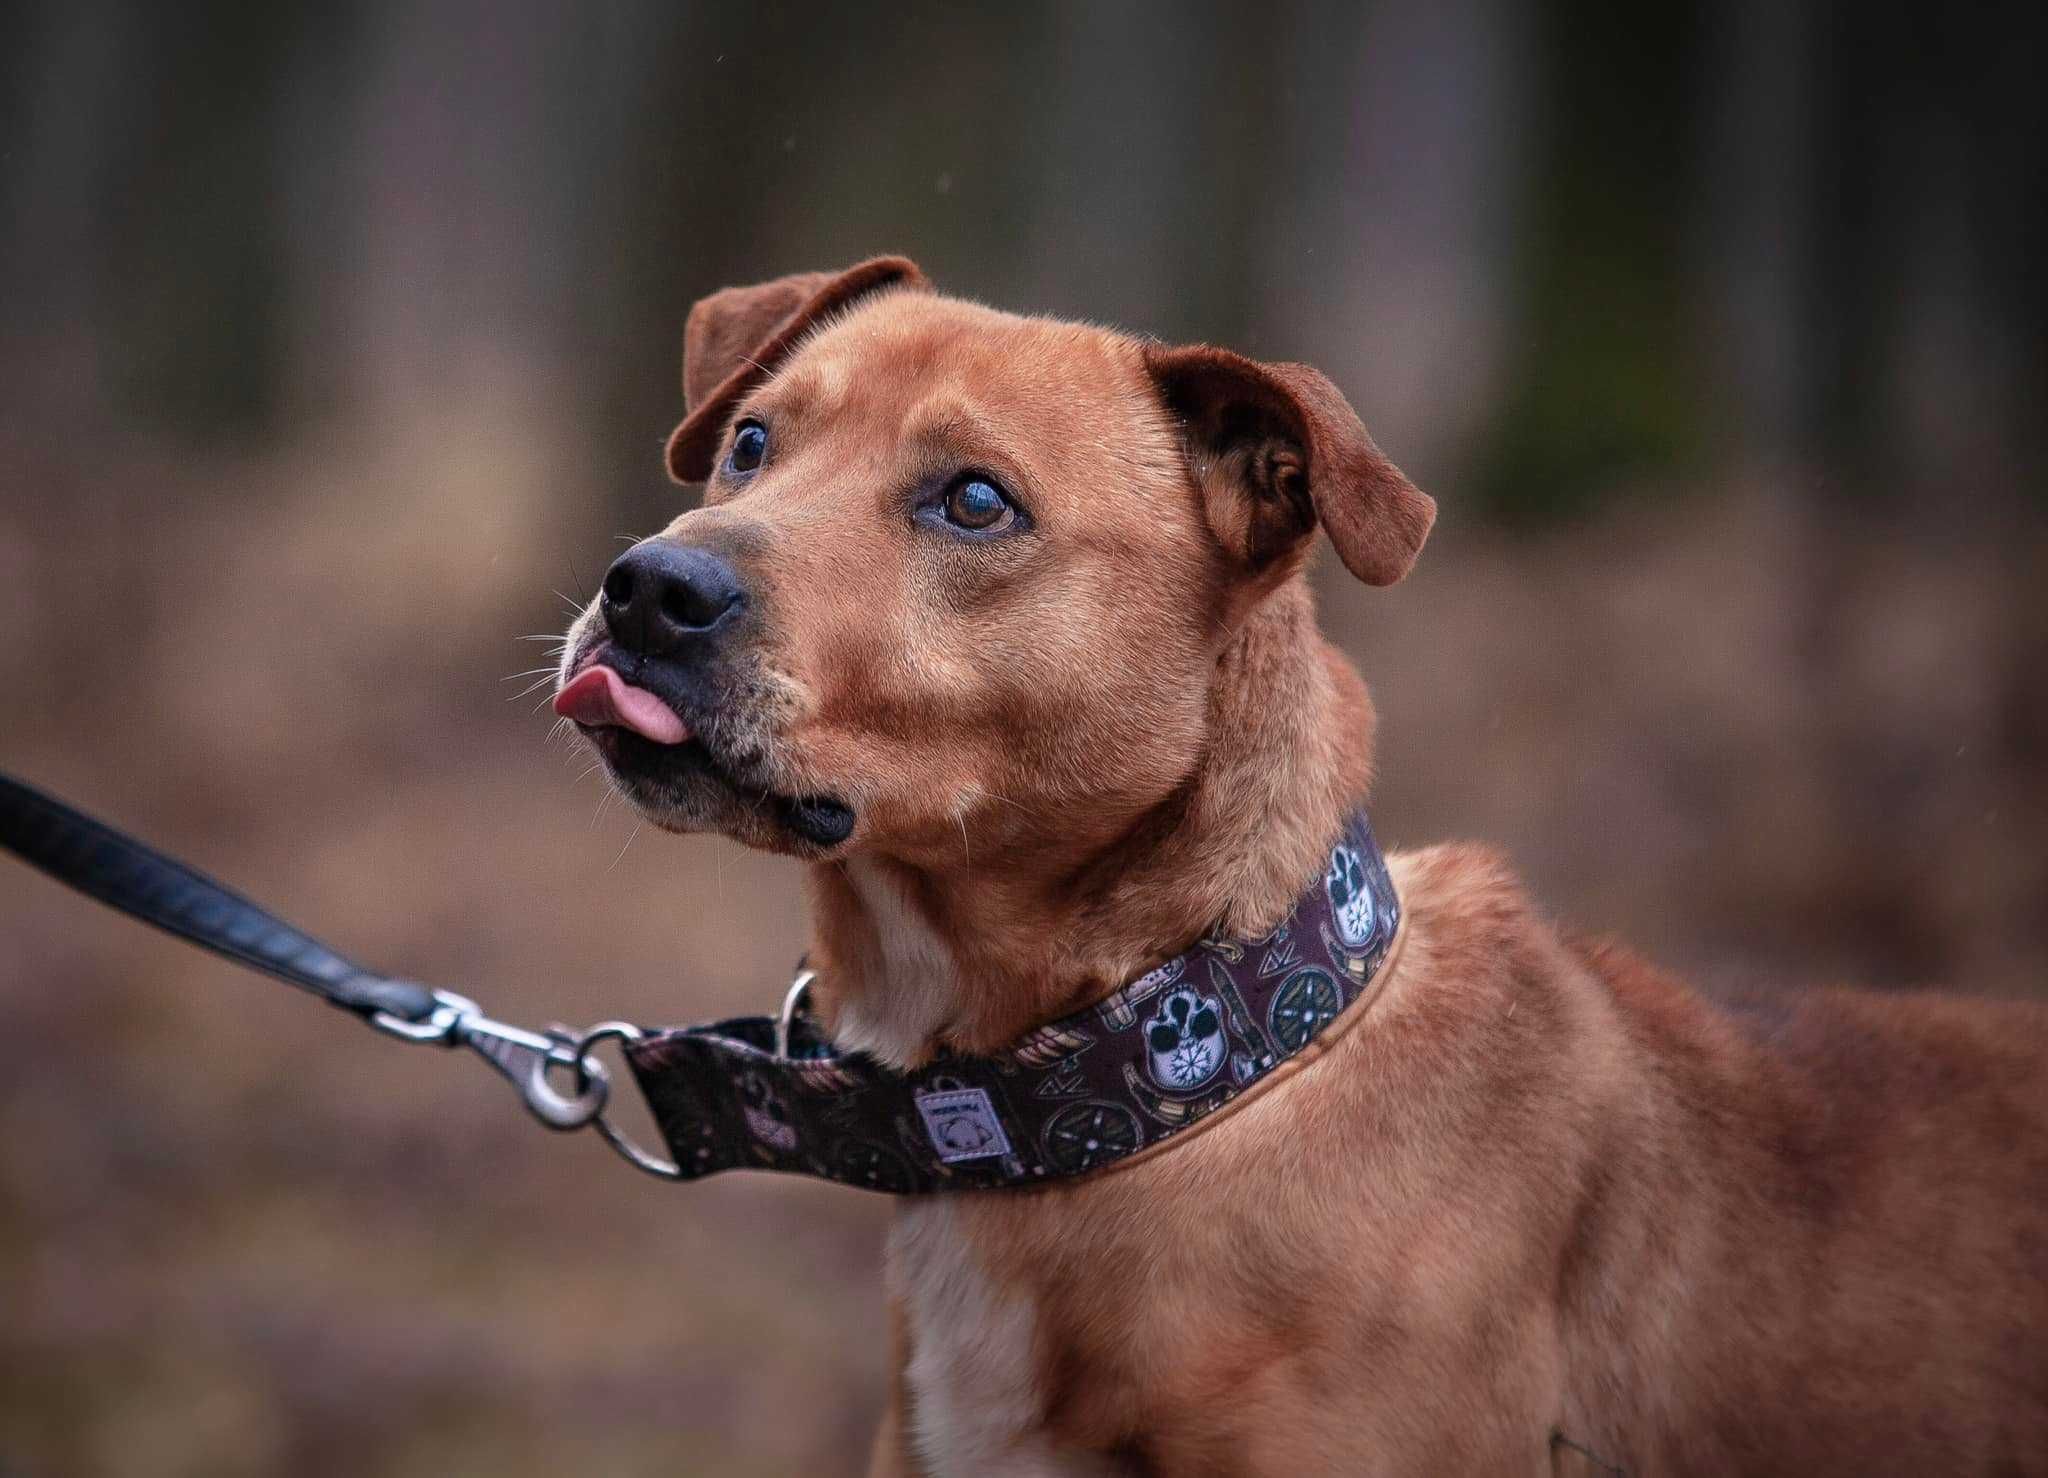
338	340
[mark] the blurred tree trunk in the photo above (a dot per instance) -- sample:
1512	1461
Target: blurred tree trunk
142	224
1394	207
1604	382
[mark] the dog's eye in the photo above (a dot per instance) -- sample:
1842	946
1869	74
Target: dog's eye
978	504
749	446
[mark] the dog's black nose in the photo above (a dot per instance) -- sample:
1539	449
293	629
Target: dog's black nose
660	596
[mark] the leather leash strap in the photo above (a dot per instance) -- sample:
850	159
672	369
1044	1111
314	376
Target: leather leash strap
145	884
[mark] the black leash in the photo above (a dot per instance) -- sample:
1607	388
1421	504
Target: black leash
143	883
140	881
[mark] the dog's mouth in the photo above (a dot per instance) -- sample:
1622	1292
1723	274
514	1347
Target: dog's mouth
639	719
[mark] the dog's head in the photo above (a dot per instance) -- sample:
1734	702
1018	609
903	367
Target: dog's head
957	572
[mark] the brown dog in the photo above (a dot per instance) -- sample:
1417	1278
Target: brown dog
1000	624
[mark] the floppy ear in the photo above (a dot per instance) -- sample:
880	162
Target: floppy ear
735	338
1276	449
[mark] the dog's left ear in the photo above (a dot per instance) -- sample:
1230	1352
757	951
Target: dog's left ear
736	337
1276	449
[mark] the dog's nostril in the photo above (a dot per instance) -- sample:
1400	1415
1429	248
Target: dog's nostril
694	606
618	586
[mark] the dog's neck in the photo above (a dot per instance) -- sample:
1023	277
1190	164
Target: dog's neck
971	955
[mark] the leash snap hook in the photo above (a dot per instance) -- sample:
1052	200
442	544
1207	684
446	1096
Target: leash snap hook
522	1057
525	1059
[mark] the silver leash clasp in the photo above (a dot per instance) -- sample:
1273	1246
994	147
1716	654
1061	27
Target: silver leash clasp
524	1058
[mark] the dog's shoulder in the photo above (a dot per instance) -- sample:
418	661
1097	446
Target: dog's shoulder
1472	905
1482	962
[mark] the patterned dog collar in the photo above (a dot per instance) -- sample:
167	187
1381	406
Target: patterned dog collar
1156	1059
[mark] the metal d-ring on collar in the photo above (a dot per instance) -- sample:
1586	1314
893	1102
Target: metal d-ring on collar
792	1002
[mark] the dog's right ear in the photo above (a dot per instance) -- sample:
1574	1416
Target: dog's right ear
736	337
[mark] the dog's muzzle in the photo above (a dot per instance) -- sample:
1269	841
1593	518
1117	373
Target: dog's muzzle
656	693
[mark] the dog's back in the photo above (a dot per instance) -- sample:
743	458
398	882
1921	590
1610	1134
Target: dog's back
1821	1242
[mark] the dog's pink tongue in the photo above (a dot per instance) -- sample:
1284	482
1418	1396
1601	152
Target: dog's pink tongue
599	697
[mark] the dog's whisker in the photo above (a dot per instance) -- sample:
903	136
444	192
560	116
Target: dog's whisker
1017	806
630	836
723	868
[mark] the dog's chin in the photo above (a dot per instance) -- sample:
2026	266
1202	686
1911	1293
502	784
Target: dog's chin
684	788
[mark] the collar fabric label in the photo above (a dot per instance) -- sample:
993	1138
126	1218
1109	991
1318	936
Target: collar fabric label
962	1125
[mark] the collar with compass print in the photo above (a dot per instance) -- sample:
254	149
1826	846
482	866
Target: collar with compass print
1150	1063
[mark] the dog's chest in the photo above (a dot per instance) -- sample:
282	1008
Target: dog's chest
976	1406
923	981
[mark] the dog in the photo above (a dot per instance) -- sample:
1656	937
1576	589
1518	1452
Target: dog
1000	625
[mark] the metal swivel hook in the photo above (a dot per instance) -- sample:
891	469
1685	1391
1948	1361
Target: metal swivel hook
524	1058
